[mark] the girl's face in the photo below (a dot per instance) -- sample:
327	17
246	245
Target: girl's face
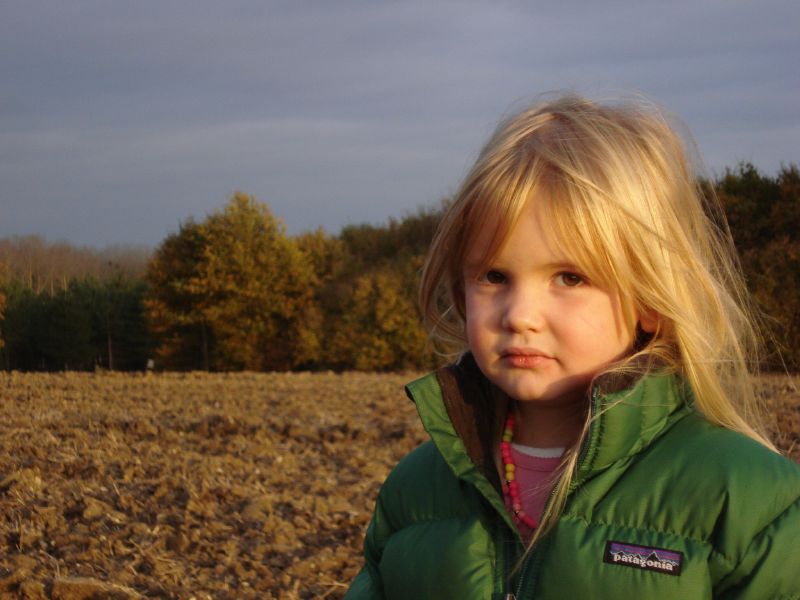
538	328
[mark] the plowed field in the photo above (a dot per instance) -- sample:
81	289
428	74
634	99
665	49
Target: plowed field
206	486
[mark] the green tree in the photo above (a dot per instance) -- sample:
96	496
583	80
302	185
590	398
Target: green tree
764	216
119	329
2	317
46	332
67	344
23	328
175	303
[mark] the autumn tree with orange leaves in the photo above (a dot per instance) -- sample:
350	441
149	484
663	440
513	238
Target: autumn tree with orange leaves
234	292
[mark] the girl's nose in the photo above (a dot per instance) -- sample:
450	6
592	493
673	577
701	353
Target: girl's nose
523	311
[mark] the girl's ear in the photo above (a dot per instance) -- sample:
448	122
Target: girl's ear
648	321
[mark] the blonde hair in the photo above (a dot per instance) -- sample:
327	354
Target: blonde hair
623	202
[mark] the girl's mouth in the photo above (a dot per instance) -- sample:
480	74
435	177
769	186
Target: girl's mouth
525	358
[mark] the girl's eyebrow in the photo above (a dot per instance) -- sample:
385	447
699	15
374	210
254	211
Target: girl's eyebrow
564	265
471	266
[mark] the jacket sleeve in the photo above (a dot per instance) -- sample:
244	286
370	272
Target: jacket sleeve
770	567
398	499
367	584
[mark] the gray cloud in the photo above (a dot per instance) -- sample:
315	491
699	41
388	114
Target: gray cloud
119	120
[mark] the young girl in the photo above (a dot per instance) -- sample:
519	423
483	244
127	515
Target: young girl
599	437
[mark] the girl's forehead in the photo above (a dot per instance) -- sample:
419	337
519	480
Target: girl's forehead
532	231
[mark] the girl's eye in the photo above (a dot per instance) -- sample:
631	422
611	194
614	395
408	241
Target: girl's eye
494	277
569	279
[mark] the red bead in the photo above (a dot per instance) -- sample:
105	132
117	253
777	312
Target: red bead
528	521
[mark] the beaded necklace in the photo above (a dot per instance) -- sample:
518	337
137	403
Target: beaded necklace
510	486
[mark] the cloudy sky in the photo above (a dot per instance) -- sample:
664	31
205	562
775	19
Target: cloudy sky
121	119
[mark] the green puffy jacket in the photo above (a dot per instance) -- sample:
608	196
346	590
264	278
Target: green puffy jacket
664	505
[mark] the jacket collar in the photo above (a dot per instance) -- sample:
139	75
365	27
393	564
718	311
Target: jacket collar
629	414
463	413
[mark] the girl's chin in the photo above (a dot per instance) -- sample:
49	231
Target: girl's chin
546	394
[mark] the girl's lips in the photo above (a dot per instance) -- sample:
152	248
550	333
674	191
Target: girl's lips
524	357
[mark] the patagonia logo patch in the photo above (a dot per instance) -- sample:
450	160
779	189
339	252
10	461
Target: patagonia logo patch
643	557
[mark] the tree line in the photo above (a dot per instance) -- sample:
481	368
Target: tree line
65	307
235	292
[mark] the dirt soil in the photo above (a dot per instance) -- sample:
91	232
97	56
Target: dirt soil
207	486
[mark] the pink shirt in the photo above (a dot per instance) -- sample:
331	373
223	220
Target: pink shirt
534	475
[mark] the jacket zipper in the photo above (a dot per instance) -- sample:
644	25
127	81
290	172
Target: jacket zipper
528	561
581	457
508	595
